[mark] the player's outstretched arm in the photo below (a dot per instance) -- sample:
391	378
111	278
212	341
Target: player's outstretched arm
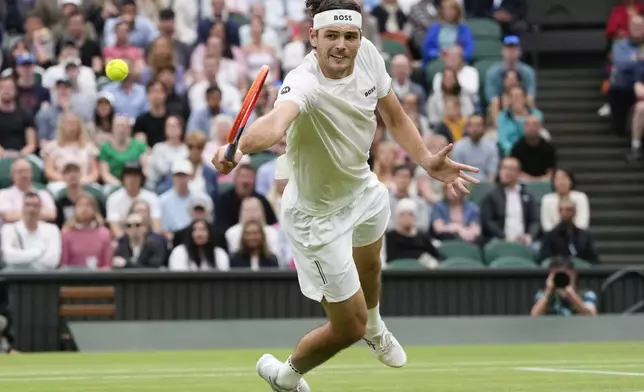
263	133
408	137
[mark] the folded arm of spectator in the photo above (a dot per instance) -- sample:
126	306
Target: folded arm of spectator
53	248
13	255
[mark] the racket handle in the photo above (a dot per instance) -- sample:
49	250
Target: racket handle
230	152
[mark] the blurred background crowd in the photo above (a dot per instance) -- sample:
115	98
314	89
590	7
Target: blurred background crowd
104	175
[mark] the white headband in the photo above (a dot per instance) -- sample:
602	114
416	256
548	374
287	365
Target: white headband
337	18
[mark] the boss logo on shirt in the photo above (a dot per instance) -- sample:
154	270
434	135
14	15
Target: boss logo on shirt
371	90
346	18
285	90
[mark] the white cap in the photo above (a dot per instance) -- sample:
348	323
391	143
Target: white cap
406	205
182	166
201	200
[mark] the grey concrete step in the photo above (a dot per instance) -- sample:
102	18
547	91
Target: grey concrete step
575	117
545	95
617	201
598	166
587	140
621	259
621	232
617	217
571	74
598	190
620	247
558	84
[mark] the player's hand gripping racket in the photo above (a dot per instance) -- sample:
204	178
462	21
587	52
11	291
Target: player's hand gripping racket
246	109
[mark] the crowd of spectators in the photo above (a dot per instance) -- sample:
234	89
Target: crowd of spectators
109	175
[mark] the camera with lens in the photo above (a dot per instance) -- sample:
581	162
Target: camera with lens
561	279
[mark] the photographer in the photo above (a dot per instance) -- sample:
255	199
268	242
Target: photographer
560	296
6	339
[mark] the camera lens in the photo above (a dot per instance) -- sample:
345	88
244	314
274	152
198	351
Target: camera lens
561	280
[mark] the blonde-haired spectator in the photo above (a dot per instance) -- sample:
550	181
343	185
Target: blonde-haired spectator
164	153
219	128
252	210
72	142
257	53
86	241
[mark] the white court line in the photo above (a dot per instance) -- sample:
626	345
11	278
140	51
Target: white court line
209	367
580	371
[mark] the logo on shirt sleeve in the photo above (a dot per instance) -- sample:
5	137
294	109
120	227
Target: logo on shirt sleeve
285	90
371	90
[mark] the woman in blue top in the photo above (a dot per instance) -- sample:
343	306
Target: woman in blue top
455	218
511	120
448	32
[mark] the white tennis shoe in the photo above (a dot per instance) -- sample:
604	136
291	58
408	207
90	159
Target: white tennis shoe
267	368
387	349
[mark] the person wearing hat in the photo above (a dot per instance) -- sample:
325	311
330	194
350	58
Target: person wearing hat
200	208
69	56
175	203
119	202
31	94
405	241
511	53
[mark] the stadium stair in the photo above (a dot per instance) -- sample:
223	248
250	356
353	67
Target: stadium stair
570	98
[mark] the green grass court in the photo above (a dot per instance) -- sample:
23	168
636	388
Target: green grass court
604	367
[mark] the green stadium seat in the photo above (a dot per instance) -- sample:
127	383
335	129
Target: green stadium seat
240	19
478	191
400	264
37	174
513	262
486	49
257	160
224	187
432	69
456	248
496	249
461	263
393	47
483	28
538	189
95	193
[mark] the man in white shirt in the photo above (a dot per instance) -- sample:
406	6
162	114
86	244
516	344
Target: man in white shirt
333	202
119	203
12	199
31	243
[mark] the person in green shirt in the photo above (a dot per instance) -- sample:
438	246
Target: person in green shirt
120	149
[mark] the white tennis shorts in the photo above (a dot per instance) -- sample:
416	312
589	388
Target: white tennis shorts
323	246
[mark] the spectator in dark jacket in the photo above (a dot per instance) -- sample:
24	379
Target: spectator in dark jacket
421	17
138	248
510	14
508	212
566	239
536	155
390	17
405	241
219	14
253	250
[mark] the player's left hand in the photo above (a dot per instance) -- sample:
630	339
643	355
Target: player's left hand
451	173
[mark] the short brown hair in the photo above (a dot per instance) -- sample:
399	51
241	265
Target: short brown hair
196	137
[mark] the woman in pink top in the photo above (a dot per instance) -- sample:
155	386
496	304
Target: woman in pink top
86	241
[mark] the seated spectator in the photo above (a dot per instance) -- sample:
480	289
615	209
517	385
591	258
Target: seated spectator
561	296
149	127
509	14
256	54
121	148
76	29
563	183
219	128
86	241
230	72
199	250
266	172
405	241
449	86
12	199
175	203
428	188
167	30
251	210
390	18
70	143
31	94
412	107
201	117
161	56
617	26
166	152
456	218
402	178
200	208
300	45
39	40
121	48
142	30
142	207
129	96
70	56
138	248
536	155
403	85
566	239
228	204
220	16
511	122
100	128
468	76
511	79
386	159
119	202
30	242
453	124
269	35
204	177
73	191
18	136
422	16
253	251
448	32
508	212
476	151
511	60
64	100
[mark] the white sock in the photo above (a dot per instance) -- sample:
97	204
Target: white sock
375	325
288	376
636	144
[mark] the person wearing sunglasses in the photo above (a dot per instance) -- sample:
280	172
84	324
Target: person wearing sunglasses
138	248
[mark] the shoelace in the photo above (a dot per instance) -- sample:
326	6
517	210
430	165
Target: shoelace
385	342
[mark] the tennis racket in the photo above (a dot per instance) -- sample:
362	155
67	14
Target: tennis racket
246	109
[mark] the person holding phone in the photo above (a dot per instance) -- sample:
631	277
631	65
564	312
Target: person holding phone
561	296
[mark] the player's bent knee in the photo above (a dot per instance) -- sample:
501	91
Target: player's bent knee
348	319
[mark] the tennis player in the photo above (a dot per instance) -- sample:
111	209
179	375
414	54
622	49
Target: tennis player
334	210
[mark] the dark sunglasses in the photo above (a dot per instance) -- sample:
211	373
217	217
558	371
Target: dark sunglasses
131	225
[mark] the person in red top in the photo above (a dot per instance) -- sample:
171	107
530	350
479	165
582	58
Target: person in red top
617	26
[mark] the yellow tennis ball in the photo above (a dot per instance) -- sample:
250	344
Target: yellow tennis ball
116	70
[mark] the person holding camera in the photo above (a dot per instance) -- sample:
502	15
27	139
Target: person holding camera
560	296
